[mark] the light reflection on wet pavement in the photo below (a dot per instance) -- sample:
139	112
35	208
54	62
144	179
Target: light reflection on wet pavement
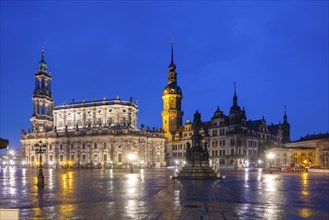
151	194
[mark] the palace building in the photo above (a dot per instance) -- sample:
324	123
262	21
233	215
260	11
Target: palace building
233	140
97	133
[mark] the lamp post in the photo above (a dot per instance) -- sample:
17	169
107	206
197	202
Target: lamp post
176	162
40	149
131	157
270	156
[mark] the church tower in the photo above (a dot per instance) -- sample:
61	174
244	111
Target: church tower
42	117
172	98
285	128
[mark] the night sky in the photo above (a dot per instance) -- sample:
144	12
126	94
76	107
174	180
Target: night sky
276	52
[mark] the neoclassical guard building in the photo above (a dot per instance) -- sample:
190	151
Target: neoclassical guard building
233	140
88	133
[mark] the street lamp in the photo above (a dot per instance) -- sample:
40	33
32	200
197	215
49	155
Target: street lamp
176	162
270	156
40	149
131	157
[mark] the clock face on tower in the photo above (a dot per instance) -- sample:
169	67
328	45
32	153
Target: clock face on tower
172	117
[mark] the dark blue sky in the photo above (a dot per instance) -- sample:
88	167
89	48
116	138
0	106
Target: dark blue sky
276	51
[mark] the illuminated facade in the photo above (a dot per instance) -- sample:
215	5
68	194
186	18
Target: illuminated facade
233	140
88	133
310	151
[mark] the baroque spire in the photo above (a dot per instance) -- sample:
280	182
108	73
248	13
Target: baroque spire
172	66
285	118
235	97
42	63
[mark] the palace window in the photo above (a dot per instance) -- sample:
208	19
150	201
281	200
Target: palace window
51	158
72	158
61	147
105	157
214	133
61	158
95	145
120	158
284	160
50	147
83	158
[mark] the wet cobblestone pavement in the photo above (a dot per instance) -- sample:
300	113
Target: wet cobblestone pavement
151	194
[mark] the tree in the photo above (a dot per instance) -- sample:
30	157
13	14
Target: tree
3	143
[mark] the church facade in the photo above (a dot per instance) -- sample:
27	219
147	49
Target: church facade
97	133
233	140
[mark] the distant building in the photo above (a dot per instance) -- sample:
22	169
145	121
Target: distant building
233	140
88	133
310	150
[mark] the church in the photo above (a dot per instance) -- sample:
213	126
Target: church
233	140
97	133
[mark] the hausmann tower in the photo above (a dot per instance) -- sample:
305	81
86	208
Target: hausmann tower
172	97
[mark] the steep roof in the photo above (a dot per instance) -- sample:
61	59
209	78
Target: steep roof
273	129
254	125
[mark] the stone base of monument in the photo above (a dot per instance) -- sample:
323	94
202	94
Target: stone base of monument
198	170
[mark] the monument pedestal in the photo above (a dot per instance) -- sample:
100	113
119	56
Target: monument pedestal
198	170
197	158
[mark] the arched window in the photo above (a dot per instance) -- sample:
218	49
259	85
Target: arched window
110	121
120	158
